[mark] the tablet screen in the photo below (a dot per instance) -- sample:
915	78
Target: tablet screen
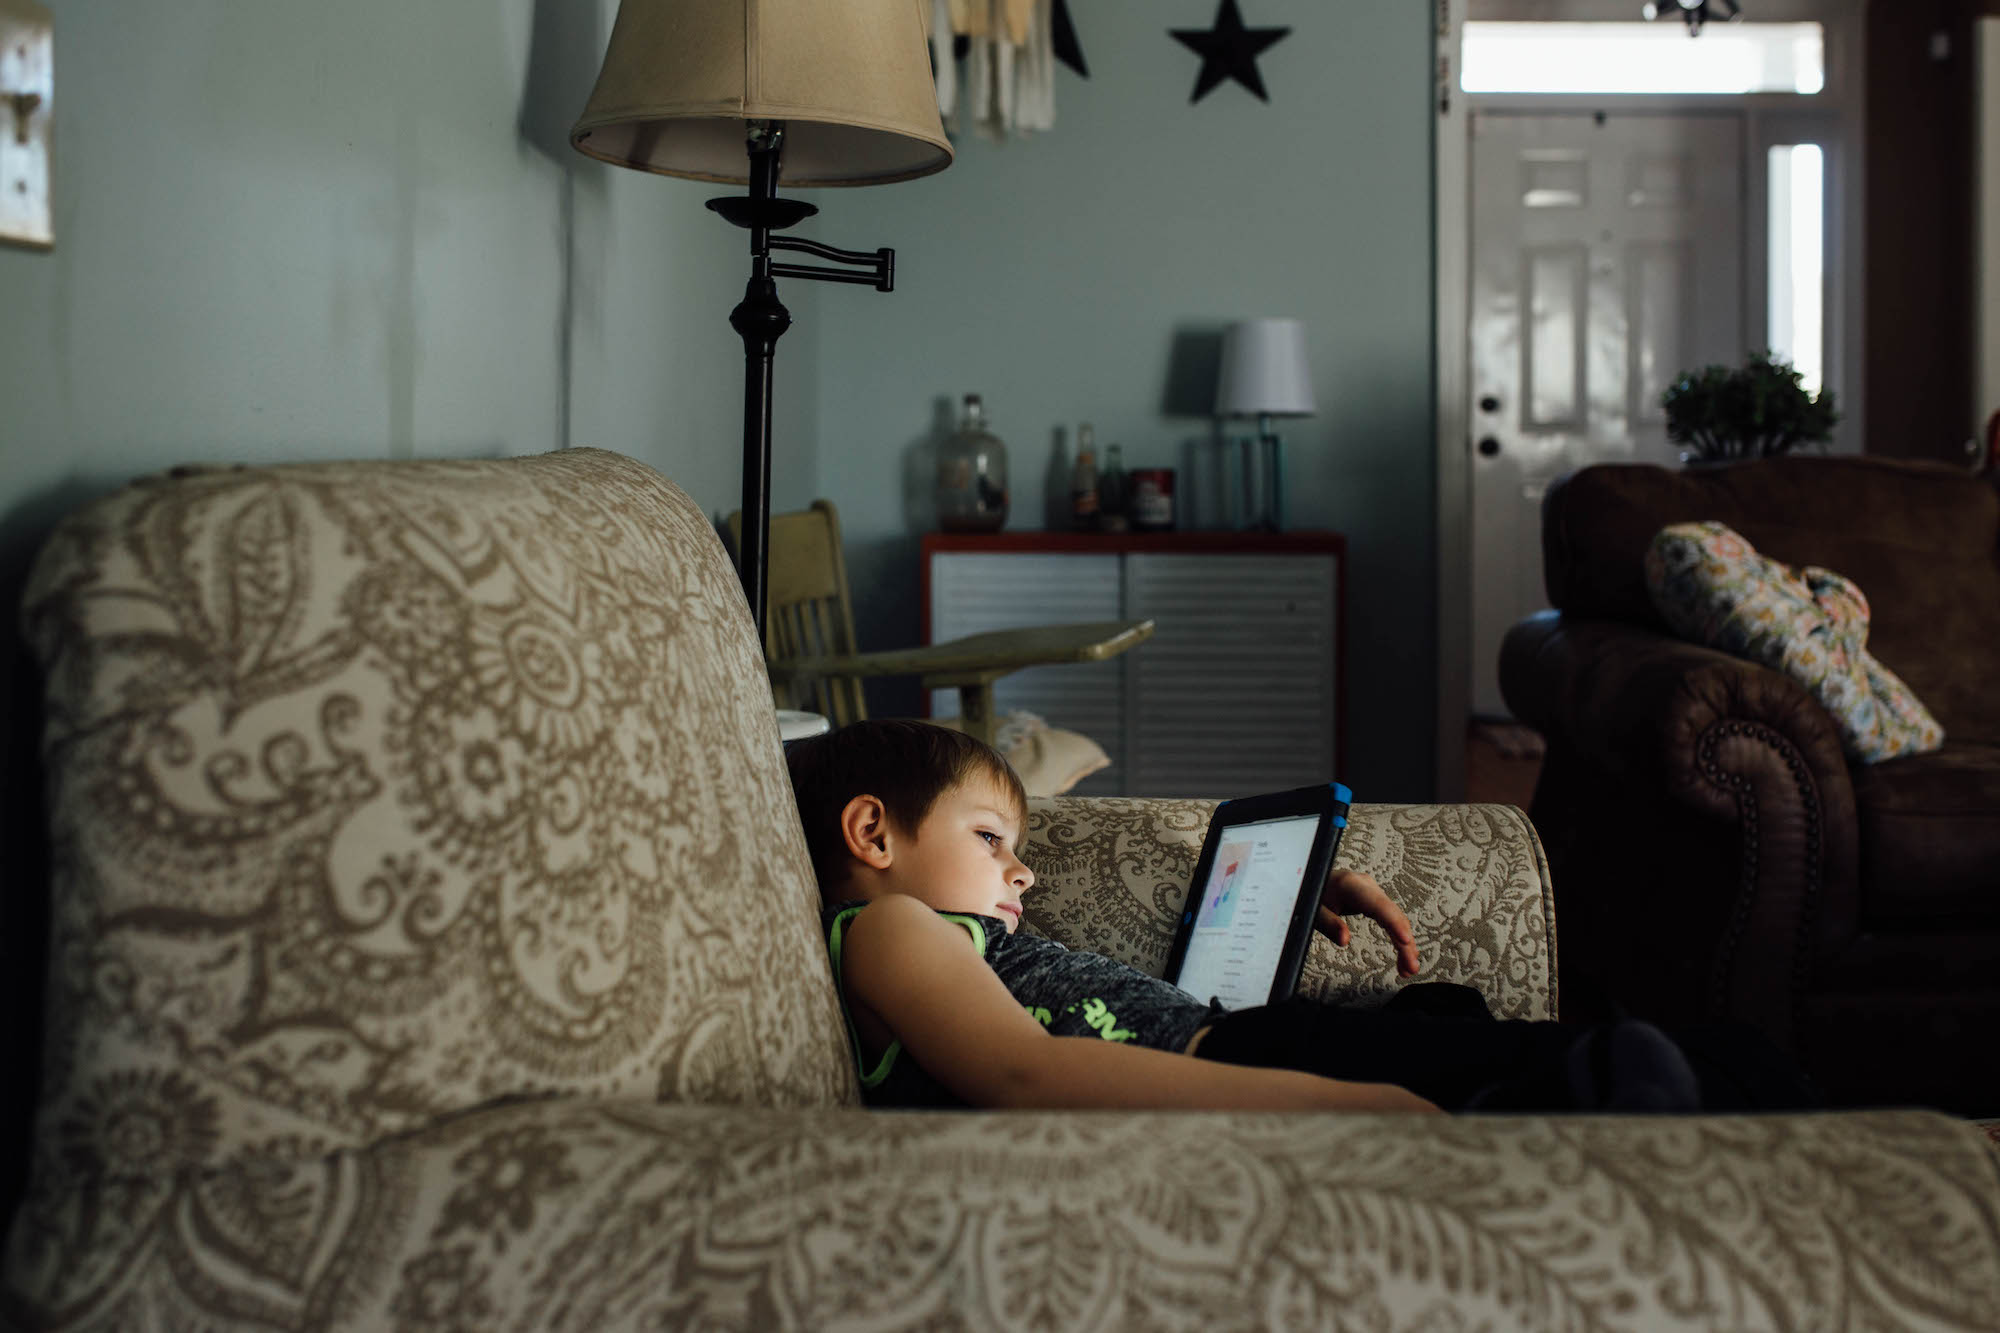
1246	910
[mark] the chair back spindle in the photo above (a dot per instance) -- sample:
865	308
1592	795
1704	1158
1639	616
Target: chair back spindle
808	612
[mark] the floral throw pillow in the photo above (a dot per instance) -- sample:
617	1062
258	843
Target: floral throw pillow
1715	589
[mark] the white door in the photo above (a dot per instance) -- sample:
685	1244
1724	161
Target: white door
1607	257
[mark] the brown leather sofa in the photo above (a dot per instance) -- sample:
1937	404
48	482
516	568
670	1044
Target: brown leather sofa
1713	851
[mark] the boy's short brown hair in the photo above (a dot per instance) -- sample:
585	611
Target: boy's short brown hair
906	765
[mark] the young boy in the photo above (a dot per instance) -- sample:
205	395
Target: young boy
915	832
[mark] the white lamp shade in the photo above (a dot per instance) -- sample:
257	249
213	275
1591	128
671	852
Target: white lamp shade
1264	370
851	79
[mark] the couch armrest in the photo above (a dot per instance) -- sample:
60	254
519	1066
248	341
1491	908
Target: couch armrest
1635	701
1113	873
633	1215
1651	737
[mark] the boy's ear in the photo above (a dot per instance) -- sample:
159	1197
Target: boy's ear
864	827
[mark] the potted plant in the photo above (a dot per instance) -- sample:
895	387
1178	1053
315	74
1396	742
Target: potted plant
1758	410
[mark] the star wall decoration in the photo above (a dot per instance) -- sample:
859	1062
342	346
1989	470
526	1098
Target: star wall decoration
1228	51
1064	34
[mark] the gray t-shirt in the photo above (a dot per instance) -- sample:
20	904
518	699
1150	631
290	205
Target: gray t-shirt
1070	992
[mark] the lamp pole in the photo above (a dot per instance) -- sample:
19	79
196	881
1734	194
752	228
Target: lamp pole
760	319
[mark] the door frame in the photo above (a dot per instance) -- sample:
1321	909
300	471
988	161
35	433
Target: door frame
1835	117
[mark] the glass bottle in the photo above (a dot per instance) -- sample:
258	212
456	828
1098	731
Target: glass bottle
1112	492
1083	480
972	475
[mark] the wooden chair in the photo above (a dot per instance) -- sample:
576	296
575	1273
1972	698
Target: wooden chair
816	665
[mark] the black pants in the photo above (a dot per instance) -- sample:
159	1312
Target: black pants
1441	1042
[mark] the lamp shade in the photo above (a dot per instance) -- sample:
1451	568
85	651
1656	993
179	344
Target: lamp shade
1264	371
851	79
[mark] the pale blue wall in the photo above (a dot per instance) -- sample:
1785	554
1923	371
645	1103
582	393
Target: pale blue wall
1052	274
290	231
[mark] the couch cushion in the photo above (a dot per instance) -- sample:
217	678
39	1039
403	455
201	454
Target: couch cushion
609	1217
1111	874
1922	541
1930	837
383	790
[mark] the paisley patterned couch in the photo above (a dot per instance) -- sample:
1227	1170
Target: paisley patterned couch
434	948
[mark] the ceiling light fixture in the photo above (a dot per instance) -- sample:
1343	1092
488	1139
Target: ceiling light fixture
1697	12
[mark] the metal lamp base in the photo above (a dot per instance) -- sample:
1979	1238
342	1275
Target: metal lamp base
1270	515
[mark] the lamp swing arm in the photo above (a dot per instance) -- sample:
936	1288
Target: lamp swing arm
876	268
761	212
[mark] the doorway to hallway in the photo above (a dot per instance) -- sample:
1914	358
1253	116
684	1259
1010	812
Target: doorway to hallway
1606	222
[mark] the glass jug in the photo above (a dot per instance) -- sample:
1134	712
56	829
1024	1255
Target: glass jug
972	475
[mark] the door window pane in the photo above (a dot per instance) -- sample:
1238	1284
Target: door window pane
1662	274
1555	337
1798	260
1643	58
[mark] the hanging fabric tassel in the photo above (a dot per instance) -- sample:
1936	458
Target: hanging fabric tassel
1019	14
1035	73
944	63
1005	82
1001	123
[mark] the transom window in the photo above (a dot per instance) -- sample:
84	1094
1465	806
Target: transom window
1636	58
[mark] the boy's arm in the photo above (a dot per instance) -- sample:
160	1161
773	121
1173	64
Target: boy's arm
922	976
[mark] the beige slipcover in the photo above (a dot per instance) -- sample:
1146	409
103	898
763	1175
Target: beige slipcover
434	948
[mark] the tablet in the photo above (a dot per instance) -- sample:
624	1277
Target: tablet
1250	909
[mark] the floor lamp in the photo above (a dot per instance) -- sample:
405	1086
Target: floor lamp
764	93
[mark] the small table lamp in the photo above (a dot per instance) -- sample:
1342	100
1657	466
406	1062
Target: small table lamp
1264	374
759	93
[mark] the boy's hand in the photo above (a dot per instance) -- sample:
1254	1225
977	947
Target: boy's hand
1349	892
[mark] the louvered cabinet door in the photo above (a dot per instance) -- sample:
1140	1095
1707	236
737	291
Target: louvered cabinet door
972	592
1235	693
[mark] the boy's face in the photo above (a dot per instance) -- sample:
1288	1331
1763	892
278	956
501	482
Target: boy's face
962	858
